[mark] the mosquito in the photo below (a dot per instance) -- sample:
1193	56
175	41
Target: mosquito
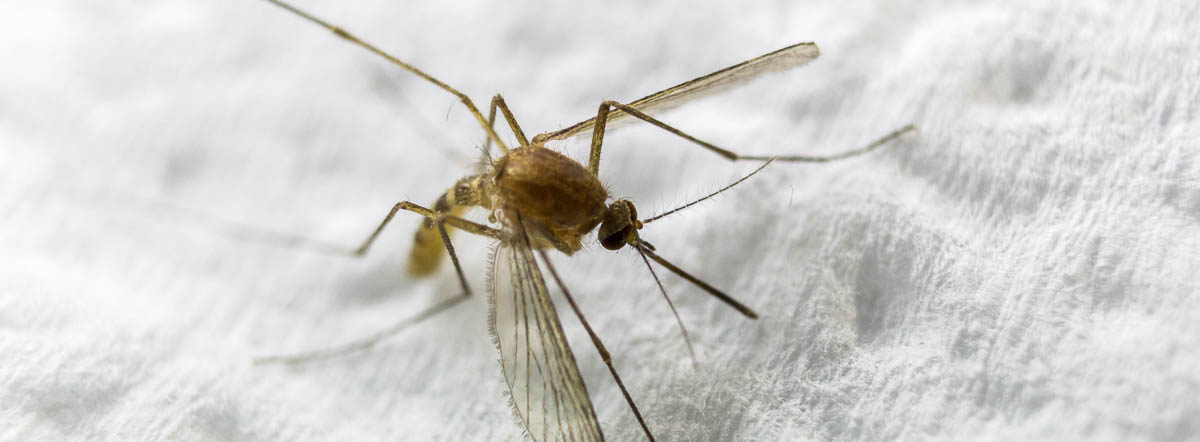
538	200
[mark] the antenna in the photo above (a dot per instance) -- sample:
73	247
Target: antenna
648	220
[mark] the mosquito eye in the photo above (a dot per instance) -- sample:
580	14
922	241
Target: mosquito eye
618	239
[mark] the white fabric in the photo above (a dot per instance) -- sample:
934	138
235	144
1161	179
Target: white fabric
1022	267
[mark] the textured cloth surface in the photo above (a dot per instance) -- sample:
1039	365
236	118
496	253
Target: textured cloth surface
1022	267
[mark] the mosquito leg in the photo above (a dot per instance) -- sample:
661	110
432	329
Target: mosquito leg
364	343
454	221
169	213
598	139
377	337
491	122
462	279
422	125
498	101
602	116
599	345
466	101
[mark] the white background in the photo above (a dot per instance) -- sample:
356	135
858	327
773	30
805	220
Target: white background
1023	267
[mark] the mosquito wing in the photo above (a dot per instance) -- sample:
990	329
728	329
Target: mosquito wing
787	58
544	385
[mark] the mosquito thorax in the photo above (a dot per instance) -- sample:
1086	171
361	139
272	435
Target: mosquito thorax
554	194
619	226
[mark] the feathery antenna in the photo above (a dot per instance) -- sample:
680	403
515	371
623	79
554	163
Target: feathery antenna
648	220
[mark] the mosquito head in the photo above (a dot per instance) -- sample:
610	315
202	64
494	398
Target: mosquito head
620	225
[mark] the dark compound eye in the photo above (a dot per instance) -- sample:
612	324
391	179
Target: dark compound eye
618	239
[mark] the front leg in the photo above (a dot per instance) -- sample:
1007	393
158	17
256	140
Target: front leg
605	107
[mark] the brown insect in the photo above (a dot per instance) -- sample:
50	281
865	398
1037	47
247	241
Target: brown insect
543	200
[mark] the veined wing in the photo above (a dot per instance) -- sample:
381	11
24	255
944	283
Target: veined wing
787	58
545	388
